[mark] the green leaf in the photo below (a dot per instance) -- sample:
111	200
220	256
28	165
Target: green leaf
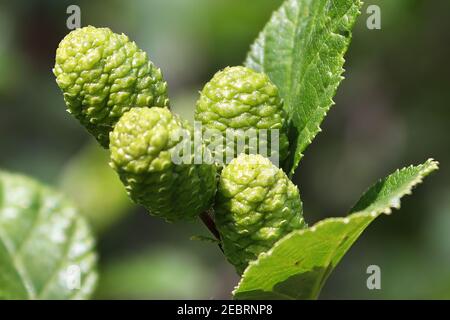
386	193
299	264
46	250
302	50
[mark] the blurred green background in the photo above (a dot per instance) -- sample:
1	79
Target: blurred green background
392	110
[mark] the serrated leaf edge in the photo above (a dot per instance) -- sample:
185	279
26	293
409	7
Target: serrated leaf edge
428	166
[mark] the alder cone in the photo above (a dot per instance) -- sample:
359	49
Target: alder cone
240	99
142	146
103	75
256	205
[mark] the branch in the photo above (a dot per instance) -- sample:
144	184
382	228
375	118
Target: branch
209	223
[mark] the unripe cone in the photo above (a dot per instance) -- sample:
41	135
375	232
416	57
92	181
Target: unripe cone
239	98
142	146
256	205
102	75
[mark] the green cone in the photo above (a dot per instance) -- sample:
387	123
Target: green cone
256	205
102	75
143	147
240	99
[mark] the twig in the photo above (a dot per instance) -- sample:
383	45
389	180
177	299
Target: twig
209	223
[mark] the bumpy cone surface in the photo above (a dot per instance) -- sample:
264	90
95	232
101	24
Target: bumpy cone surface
142	145
239	98
256	205
102	75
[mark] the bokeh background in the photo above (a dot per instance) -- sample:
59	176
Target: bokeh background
392	110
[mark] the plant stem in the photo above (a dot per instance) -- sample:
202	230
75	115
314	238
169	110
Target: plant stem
209	223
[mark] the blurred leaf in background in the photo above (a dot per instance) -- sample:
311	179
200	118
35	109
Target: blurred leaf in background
44	243
95	187
157	273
